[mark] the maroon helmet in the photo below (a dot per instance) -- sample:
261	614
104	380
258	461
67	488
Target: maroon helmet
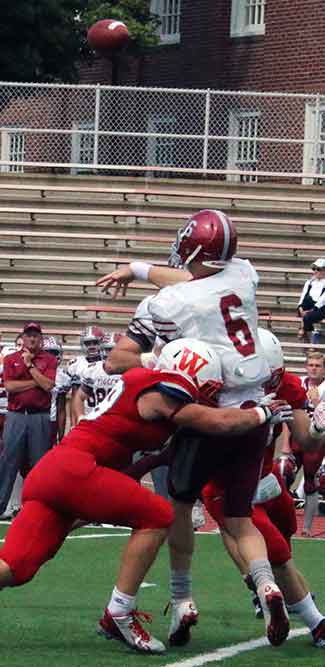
209	237
287	468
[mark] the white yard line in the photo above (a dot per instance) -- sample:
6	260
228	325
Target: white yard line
230	651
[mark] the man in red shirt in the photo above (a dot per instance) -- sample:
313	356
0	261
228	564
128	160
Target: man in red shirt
28	376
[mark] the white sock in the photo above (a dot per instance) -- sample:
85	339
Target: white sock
180	585
121	604
308	611
261	572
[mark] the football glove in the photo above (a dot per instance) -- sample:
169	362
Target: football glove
267	399
277	412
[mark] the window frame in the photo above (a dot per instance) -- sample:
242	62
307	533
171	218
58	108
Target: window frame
238	25
235	118
13	148
157	7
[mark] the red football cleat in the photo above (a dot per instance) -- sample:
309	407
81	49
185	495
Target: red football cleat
129	630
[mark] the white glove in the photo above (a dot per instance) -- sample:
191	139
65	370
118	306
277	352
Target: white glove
266	400
317	424
277	413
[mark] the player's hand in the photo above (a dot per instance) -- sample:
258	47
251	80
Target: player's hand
118	279
278	412
266	400
317	424
27	357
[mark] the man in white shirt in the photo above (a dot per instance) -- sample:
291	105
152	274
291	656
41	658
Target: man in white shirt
311	306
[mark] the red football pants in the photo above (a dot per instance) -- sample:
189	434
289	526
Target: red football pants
275	519
67	484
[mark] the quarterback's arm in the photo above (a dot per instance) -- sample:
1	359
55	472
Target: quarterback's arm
158	275
162	276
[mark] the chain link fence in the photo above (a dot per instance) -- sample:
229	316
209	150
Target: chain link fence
240	136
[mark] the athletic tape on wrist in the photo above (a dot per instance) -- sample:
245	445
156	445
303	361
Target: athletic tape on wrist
140	270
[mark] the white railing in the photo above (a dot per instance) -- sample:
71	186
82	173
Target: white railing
162	130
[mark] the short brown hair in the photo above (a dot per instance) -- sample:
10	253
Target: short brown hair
313	354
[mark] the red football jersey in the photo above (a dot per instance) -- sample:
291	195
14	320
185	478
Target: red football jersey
292	391
115	430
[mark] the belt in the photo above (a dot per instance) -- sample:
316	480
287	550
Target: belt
31	411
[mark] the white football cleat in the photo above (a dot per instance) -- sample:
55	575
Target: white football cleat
275	613
184	615
129	630
198	518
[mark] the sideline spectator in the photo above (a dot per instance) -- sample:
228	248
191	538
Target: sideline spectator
96	379
29	376
90	340
311	306
14	502
58	412
314	384
314	381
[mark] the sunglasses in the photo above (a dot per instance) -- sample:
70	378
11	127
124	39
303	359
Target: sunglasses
316	268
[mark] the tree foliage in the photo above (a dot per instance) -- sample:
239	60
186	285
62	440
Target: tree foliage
142	25
42	40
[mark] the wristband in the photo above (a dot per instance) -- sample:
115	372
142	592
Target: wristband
262	414
140	270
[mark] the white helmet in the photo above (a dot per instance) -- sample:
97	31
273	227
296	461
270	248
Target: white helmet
52	345
274	356
199	361
90	339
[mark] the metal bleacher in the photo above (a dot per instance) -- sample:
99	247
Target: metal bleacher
59	234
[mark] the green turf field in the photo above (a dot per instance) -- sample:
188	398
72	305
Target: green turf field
51	621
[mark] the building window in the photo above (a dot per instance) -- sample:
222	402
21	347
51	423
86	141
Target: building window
314	148
247	18
82	147
13	149
161	150
243	146
169	12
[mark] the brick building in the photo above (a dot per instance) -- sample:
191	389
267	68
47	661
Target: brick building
221	45
262	45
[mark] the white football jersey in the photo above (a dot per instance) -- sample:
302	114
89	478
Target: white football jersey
3	394
62	386
96	383
220	310
75	369
141	328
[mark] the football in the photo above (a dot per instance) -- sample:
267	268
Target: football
107	35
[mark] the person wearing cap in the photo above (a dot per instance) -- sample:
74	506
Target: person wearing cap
28	376
311	306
